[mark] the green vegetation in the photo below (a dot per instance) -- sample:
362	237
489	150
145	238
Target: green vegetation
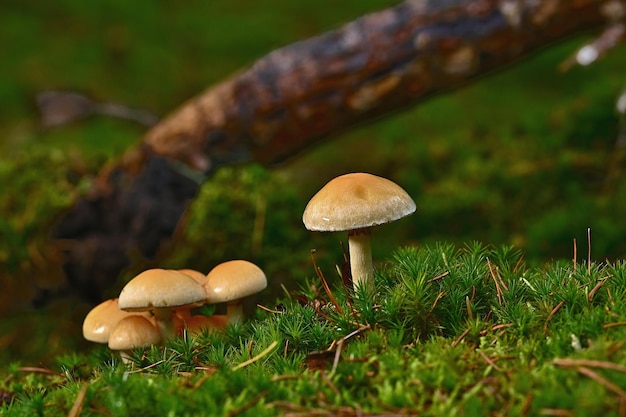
527	157
471	331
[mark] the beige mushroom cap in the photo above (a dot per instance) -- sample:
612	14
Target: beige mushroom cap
160	288
133	332
355	201
233	280
101	320
197	275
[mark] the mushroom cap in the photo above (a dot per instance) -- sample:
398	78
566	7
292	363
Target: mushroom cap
197	275
160	288
354	201
133	332
102	319
233	280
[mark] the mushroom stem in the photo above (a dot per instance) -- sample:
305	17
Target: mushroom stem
234	311
126	356
360	248
164	317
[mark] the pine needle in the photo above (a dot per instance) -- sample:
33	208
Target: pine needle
568	363
257	357
80	399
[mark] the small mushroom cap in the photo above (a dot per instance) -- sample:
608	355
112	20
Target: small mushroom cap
160	288
102	319
355	201
233	280
133	332
197	275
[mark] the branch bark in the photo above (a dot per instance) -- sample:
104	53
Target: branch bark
297	96
305	92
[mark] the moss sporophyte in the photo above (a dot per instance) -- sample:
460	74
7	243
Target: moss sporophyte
449	331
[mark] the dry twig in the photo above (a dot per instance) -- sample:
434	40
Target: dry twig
571	363
460	338
80	399
552	313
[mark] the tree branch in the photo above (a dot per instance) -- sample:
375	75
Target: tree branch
305	92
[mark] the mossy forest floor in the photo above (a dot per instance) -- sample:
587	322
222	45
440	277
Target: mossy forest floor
528	156
449	331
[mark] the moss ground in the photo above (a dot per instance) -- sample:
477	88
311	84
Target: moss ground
526	157
448	331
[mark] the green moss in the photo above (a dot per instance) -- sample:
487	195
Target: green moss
443	335
525	157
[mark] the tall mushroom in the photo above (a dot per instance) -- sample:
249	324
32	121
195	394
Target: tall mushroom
231	281
356	202
161	291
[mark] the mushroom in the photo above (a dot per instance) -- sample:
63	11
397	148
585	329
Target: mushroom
197	275
231	281
355	202
200	278
198	323
162	291
133	332
103	318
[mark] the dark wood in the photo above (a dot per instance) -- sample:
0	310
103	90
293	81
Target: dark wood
385	61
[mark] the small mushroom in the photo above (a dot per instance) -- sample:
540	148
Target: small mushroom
103	318
133	332
198	323
231	281
356	202
197	275
200	278
161	291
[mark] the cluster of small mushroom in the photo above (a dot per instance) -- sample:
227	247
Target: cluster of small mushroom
157	304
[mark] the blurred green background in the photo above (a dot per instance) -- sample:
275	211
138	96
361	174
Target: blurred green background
526	157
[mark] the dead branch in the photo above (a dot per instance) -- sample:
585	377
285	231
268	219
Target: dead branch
382	62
